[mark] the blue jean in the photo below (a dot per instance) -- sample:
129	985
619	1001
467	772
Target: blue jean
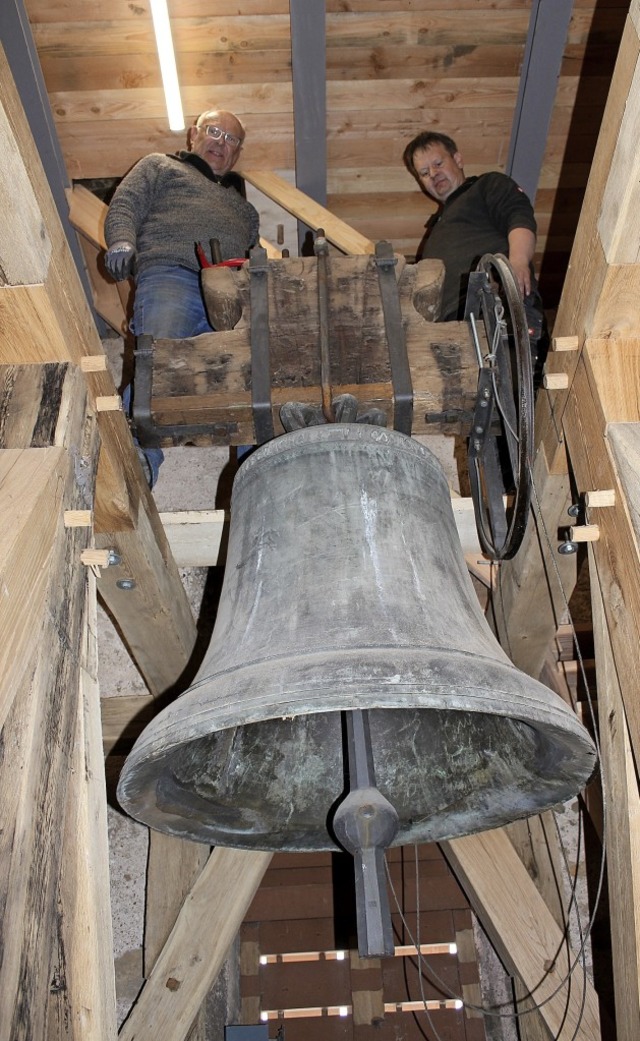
167	304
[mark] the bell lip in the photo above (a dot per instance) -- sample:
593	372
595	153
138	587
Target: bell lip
520	696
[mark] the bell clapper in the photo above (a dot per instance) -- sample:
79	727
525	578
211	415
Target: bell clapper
365	824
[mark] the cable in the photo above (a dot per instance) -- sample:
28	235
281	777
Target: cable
584	935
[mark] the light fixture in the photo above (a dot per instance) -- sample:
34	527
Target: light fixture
167	59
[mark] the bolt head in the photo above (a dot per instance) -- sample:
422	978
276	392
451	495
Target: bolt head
125	583
567	548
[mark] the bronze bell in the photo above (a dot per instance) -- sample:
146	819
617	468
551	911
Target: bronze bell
345	590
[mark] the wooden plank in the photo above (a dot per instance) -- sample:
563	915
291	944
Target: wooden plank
308	211
523	931
38	736
83	1006
25	247
598	299
538	576
195	951
197	537
622	825
617	552
123	719
173	867
352	96
382	62
29	483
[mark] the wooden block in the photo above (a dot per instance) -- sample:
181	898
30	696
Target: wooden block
78	518
113	403
565	343
95	557
555	381
94	363
601	497
585	533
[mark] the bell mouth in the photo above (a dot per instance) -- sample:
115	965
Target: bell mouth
274	785
263	769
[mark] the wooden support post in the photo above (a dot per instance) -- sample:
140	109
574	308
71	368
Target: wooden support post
173	868
523	931
82	1006
197	947
529	601
622	825
42	699
367	992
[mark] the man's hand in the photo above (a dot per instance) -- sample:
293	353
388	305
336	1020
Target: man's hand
522	244
118	260
522	271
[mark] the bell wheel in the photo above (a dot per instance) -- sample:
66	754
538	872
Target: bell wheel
501	438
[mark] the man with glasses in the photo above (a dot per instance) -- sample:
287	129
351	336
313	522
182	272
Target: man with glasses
164	208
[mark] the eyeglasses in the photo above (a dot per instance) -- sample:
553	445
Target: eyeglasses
221	135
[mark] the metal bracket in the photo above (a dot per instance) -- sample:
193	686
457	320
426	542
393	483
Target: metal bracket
260	369
400	371
483	413
321	249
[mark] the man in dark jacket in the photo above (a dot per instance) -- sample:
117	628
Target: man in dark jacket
476	215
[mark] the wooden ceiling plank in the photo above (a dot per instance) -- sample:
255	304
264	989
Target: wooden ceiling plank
196	949
622	824
523	931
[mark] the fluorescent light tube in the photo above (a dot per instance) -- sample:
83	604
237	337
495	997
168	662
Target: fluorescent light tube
168	70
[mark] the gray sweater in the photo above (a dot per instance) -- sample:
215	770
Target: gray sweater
166	204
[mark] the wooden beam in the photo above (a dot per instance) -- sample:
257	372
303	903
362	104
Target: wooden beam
532	591
193	955
198	537
82	1007
311	213
600	393
173	868
55	324
524	933
622	825
37	779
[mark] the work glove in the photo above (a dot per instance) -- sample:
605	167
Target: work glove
119	259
